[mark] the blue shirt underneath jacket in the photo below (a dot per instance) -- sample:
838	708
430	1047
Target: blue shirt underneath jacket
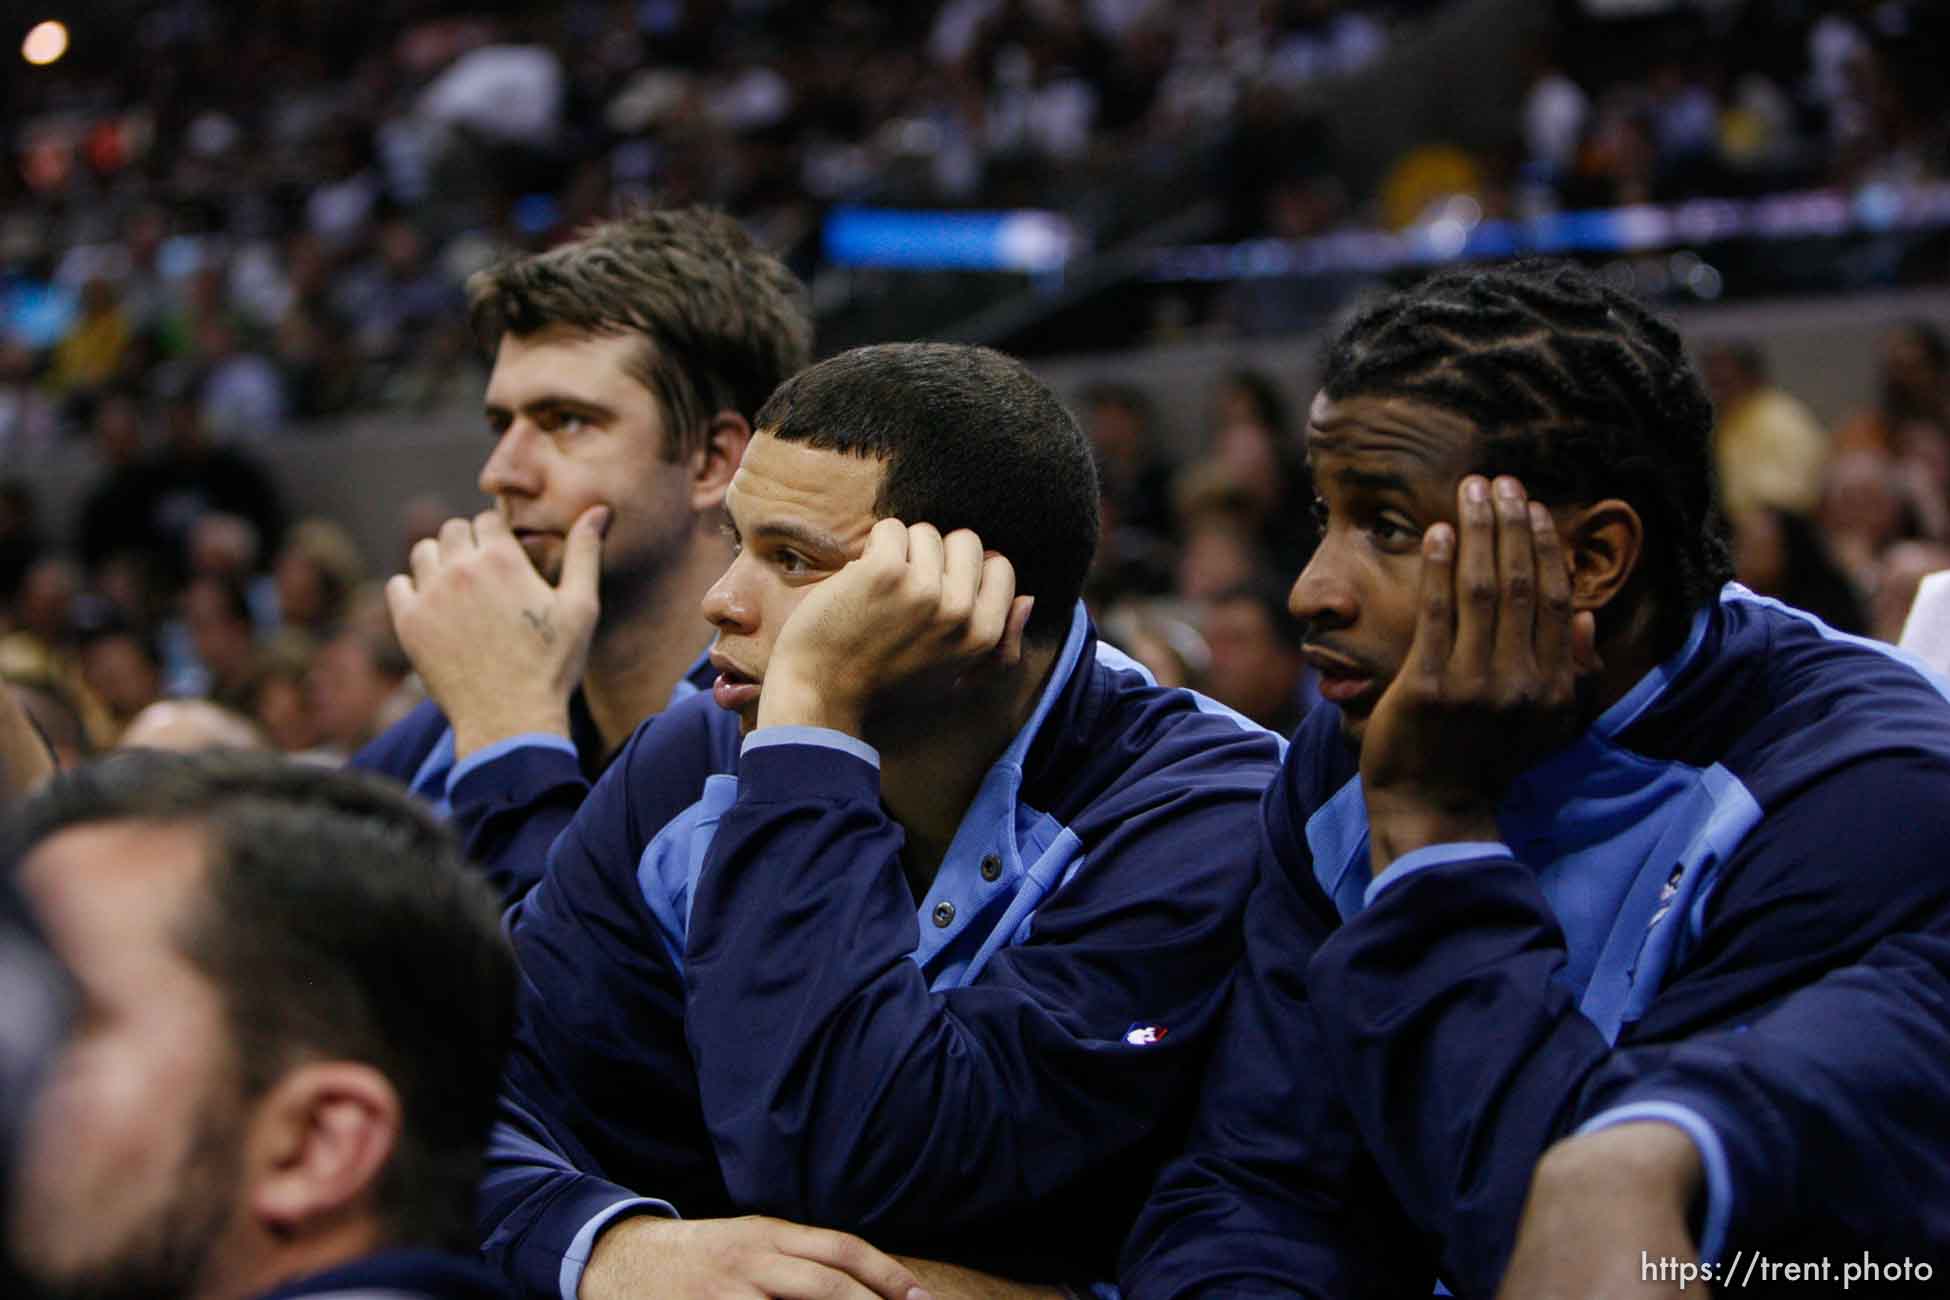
509	800
1726	907
732	1003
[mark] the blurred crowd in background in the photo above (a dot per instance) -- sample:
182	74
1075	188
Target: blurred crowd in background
244	220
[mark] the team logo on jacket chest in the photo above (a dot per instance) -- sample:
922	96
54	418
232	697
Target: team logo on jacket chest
1145	1035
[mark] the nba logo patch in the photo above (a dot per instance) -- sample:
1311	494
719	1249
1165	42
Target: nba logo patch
1145	1035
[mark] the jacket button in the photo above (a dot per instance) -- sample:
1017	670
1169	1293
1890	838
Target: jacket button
944	915
991	867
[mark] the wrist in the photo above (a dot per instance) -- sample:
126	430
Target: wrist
477	732
1397	827
792	698
1655	1163
615	1248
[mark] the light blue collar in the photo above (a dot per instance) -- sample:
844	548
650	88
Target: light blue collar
997	824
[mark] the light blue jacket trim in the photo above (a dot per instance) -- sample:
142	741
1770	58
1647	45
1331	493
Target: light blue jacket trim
1111	657
1035	853
1712	1155
430	781
576	1258
1626	849
1661	912
437	774
1434	855
1735	592
824	737
488	753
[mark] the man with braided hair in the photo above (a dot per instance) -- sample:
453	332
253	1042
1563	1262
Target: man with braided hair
1573	958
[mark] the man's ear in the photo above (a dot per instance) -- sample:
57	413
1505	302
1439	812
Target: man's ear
713	464
1604	543
319	1140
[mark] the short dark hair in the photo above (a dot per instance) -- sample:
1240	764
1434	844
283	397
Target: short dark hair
1573	387
723	321
338	921
970	439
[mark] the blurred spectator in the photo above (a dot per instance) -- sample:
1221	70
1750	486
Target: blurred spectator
121	667
113	518
1864	511
241	394
1904	566
222	635
195	476
226	546
1255	449
280	693
1134	476
360	679
28	422
315	574
1769	445
44	609
51	666
149	505
1157	636
188	725
1256	665
1913	381
1218	530
97	351
54	714
1781	554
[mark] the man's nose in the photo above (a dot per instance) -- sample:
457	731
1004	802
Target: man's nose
512	467
727	605
1322	594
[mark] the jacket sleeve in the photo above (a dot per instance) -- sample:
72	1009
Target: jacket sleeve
508	803
399	750
598	1100
1804	1042
838	1088
1274	1194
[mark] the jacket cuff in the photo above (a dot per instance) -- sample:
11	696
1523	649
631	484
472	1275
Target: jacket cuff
576	1257
1434	855
1712	1155
792	764
542	752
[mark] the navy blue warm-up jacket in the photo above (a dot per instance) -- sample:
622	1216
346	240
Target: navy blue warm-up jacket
1726	907
732	1003
510	800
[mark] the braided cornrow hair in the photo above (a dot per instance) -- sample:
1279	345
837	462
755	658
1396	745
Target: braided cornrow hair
1576	389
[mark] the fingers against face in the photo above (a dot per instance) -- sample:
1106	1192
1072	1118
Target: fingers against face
1435	623
1477	593
1553	589
456	537
1516	566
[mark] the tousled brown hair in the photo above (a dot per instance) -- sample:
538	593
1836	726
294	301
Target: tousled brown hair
723	322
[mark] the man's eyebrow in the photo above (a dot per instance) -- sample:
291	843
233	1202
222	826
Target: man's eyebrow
1371	480
815	540
553	402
